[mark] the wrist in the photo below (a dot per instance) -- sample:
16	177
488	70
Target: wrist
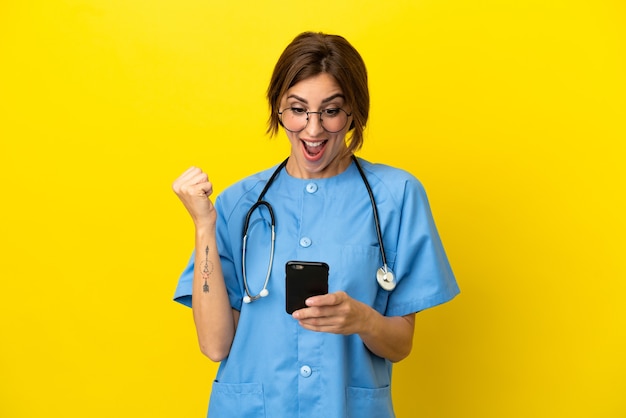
205	229
368	320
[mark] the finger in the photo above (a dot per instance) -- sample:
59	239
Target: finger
203	189
320	326
193	175
314	314
305	313
184	177
201	181
329	299
193	178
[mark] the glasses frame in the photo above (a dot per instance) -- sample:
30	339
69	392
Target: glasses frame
320	113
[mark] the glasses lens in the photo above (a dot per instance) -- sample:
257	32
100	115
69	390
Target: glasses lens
334	120
295	119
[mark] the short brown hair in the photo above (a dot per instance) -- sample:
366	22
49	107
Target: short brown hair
311	54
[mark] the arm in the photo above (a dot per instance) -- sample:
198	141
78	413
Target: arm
214	318
389	336
338	313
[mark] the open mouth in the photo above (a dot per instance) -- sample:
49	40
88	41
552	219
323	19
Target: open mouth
314	149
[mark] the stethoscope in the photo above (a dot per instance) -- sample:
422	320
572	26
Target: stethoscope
384	275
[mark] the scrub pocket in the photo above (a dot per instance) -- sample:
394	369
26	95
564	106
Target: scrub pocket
235	400
374	403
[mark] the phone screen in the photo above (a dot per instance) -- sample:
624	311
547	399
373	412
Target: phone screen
304	279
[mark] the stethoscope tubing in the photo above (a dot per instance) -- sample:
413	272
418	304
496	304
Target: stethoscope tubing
384	275
379	233
260	202
249	296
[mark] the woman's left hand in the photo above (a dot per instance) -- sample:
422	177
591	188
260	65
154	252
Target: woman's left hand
390	337
336	313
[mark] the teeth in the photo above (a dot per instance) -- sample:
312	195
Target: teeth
313	144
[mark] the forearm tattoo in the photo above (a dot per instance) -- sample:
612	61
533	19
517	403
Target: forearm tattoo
207	269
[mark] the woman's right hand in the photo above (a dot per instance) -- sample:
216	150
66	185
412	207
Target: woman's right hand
193	188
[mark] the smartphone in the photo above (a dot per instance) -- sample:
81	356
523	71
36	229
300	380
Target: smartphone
304	279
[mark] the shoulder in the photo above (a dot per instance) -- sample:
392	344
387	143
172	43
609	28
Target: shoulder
396	180
244	190
249	183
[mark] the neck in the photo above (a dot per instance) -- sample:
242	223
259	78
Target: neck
334	168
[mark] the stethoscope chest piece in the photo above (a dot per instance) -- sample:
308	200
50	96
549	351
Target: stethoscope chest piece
386	278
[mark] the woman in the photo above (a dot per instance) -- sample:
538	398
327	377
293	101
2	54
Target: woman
332	358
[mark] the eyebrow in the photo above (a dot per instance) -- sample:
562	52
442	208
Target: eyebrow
326	100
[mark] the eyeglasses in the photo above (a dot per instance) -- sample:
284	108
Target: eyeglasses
295	119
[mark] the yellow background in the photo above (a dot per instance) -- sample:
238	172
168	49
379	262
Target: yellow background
511	112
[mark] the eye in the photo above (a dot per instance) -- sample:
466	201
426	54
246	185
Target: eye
331	113
297	111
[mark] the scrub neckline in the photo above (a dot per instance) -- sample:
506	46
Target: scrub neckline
351	167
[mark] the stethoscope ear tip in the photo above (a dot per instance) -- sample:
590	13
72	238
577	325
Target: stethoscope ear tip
262	294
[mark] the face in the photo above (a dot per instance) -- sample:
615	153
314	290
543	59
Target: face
315	152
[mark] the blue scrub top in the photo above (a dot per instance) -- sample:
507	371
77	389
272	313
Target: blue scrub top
275	367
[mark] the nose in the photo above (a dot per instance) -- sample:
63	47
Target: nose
314	123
